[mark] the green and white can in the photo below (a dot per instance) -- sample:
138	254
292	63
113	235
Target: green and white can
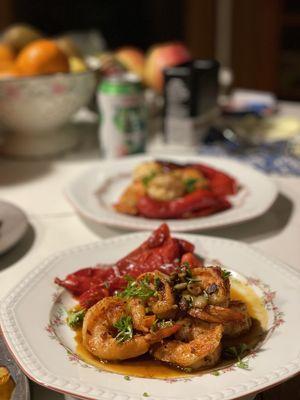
122	115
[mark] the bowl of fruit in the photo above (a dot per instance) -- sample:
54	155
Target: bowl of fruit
43	83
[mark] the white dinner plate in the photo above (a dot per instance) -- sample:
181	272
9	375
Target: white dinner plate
33	321
94	191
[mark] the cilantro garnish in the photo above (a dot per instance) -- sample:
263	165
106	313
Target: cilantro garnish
145	394
125	329
186	268
237	352
140	289
242	364
146	179
190	184
225	274
160	324
158	283
186	265
127	378
75	318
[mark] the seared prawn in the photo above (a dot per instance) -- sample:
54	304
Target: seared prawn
127	204
238	327
196	345
199	286
235	318
140	320
212	282
163	303
109	331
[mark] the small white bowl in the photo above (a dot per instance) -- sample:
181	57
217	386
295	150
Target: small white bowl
35	110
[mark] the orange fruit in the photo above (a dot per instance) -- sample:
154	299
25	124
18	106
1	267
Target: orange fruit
6	64
6	53
42	57
9	73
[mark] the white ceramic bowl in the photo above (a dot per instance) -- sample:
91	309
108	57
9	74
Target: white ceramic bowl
33	110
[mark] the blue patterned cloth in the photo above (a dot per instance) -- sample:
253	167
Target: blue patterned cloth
274	158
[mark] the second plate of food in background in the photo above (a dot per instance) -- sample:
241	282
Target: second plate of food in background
94	193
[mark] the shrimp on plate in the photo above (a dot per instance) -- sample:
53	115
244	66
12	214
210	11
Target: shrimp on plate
163	304
205	294
201	287
196	345
235	318
109	330
240	326
211	281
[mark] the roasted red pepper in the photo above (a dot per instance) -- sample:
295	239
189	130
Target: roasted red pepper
219	183
199	200
159	252
192	260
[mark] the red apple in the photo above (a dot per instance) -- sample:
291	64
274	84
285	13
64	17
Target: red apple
132	58
162	56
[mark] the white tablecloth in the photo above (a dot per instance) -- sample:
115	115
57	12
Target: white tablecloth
37	187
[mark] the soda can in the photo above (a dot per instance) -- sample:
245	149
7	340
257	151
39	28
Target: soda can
122	129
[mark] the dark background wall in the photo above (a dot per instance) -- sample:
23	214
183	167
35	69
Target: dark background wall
121	22
264	34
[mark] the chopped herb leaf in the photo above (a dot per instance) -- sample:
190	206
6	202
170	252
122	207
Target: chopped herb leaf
243	347
165	324
145	394
188	370
140	289
75	318
237	352
225	274
146	180
242	364
125	329
186	264
186	269
160	324
158	283
190	184
127	378
216	373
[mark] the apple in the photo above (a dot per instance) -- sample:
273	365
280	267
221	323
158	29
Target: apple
162	56
132	59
